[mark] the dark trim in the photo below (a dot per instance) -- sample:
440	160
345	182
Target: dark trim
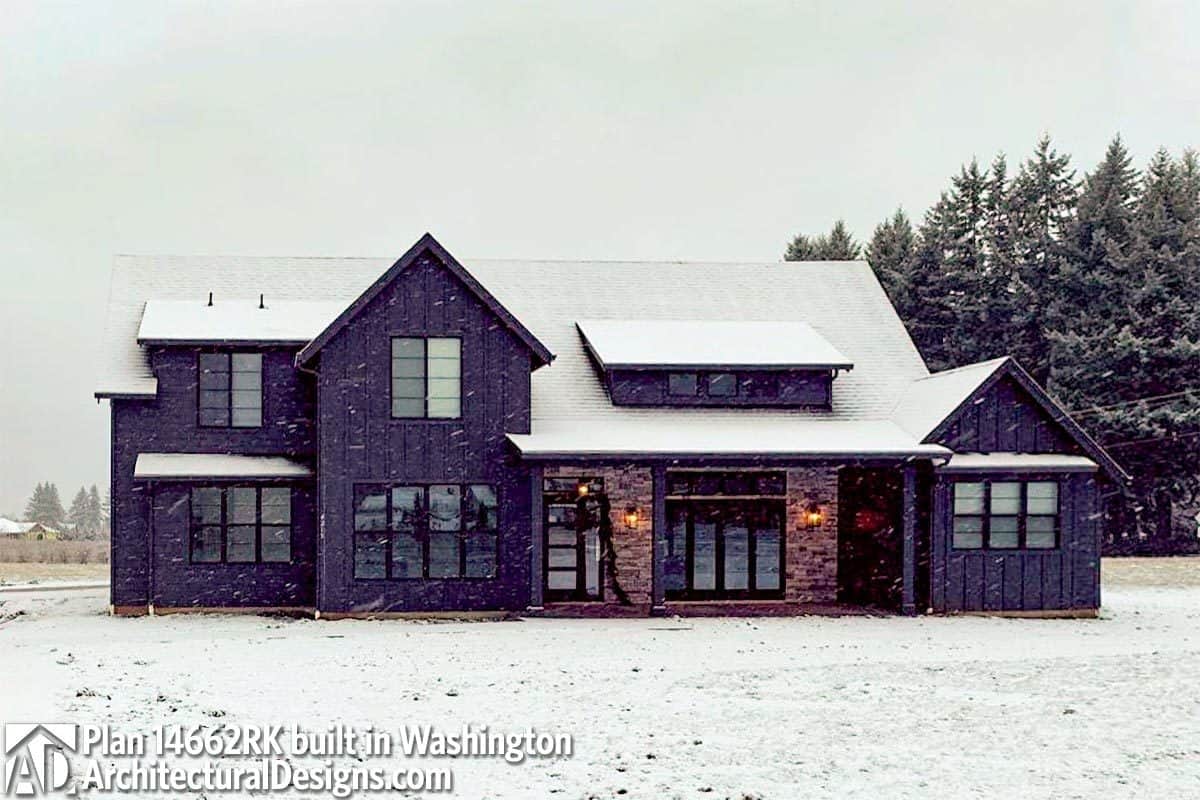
424	337
542	354
225	525
262	389
908	594
422	533
1009	367
1022	515
260	343
710	367
125	395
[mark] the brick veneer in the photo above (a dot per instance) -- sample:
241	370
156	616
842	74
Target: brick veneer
811	554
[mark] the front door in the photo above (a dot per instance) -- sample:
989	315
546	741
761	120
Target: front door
571	523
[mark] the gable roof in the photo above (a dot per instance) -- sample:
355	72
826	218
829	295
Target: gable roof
948	394
663	344
888	404
541	354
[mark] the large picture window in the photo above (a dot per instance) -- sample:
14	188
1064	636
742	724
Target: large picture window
725	534
230	390
241	525
426	377
1005	515
436	531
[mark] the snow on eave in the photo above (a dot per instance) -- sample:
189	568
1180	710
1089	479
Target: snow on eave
182	466
1018	462
929	401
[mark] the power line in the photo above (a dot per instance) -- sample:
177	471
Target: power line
1170	438
1150	398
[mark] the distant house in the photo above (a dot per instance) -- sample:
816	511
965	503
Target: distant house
26	530
357	436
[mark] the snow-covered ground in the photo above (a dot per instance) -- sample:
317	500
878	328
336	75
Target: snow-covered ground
770	708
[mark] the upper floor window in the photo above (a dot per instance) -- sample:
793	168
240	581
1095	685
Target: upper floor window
426	377
722	384
241	524
1005	515
438	531
682	384
716	384
230	390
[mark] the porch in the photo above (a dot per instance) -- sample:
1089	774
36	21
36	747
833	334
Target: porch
756	540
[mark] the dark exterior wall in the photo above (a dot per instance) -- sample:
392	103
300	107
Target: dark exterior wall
1006	419
179	583
1067	577
168	424
649	388
361	443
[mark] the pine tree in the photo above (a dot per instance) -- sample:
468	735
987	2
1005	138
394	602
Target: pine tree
890	253
78	517
45	507
1043	203
97	515
837	245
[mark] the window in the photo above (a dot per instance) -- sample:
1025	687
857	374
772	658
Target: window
241	525
230	390
437	531
426	378
729	484
1005	515
724	549
722	384
682	384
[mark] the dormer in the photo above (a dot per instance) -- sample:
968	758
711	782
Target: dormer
713	363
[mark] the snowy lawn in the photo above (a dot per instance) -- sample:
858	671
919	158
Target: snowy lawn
771	708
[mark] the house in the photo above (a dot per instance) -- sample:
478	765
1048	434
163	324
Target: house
361	437
35	531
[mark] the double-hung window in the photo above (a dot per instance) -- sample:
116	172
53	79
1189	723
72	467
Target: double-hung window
1005	515
231	390
241	525
426	377
436	531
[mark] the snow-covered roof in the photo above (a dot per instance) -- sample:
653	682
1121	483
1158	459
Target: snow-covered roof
638	343
888	402
749	433
235	320
1018	462
151	466
10	527
927	401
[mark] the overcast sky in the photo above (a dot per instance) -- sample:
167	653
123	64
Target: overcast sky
558	129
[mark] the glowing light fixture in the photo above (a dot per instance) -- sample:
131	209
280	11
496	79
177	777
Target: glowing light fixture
813	516
631	517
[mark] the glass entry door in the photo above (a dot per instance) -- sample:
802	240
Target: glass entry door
572	546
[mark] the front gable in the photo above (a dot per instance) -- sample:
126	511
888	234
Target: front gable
1010	412
428	253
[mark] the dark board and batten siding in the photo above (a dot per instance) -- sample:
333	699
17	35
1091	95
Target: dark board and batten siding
360	443
1064	578
168	424
1006	419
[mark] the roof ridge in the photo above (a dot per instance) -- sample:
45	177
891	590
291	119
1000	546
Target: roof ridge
963	368
510	259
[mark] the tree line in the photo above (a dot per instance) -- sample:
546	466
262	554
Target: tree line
87	517
1091	283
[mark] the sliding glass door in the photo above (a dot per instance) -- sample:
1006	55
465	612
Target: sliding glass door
724	549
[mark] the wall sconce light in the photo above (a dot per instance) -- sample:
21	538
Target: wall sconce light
813	516
583	490
631	517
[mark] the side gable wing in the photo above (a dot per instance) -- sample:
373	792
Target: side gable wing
1008	378
541	353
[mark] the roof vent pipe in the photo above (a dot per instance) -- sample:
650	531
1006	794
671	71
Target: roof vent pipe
260	301
210	299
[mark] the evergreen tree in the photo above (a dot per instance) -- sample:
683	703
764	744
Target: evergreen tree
78	517
837	245
890	253
1043	204
97	513
45	507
